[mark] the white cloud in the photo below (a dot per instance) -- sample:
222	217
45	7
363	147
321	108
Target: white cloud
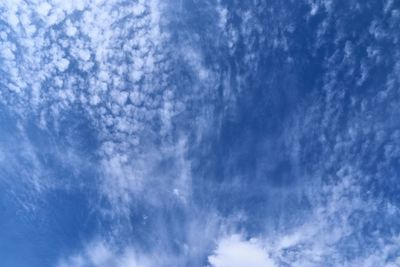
71	30
233	251
62	64
13	20
101	254
44	9
8	53
138	9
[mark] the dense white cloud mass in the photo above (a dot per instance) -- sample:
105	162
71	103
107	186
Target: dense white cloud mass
234	252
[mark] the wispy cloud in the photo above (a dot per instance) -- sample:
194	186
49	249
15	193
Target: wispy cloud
100	254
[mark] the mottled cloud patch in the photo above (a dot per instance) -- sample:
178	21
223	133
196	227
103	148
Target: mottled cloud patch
111	60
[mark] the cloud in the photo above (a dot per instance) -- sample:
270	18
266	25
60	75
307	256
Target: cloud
44	9
233	251
113	63
117	64
101	254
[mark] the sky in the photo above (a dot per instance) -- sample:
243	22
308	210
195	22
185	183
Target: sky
199	133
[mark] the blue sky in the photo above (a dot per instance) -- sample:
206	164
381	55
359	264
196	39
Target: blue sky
199	133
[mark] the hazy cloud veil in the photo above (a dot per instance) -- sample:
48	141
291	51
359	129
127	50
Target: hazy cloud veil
215	133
